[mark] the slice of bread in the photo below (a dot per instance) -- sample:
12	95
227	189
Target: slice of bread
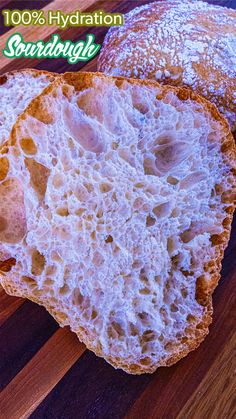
17	89
115	212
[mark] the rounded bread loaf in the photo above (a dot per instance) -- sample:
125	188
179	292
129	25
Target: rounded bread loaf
178	42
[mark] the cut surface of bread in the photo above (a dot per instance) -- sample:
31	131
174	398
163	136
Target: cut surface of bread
115	212
17	89
178	42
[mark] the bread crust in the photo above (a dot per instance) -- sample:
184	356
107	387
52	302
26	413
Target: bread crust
184	43
204	287
33	71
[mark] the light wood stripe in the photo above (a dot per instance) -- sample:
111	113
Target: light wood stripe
8	305
34	33
33	383
91	65
217	391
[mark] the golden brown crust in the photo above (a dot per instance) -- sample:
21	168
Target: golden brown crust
34	72
204	287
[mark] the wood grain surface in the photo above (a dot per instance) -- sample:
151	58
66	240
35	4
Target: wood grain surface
45	372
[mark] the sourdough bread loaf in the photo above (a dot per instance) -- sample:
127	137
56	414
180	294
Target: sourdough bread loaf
115	212
178	42
17	89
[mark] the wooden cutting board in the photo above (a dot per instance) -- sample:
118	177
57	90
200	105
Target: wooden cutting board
45	372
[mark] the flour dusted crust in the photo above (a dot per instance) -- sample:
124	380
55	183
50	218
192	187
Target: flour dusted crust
178	42
17	89
123	237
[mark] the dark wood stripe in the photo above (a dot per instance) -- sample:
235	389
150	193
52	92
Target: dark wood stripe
228	264
23	4
225	3
21	336
91	389
5	4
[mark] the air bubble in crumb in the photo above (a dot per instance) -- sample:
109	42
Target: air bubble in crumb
64	290
105	187
63	212
150	221
28	146
57	181
174	308
98	259
4	167
172	180
38	263
162	210
109	239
